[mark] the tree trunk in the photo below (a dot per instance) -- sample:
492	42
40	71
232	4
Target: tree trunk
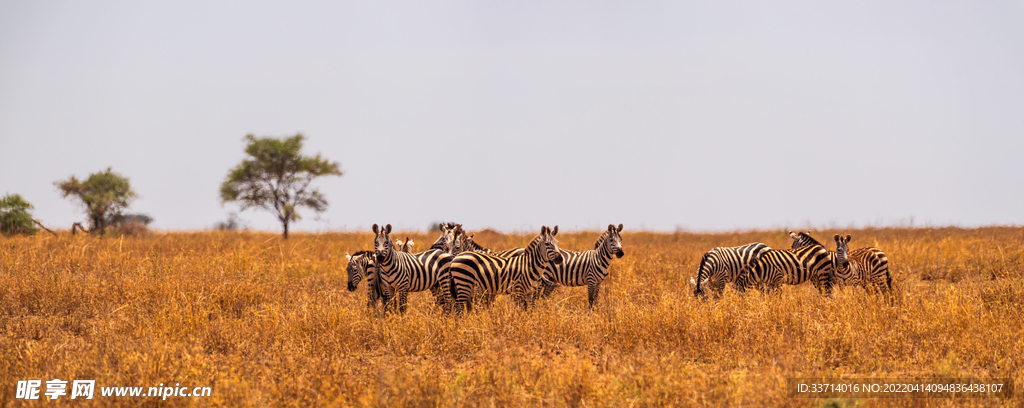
44	228
285	223
77	226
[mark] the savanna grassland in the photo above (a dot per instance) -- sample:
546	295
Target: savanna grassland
268	322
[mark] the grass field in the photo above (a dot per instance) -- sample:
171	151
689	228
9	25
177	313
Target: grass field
268	322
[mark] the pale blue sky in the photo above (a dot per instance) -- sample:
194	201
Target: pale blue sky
512	115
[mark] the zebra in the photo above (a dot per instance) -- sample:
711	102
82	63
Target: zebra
588	268
405	246
402	272
843	274
791	266
518	275
868	266
361	264
722	265
862	266
463	242
444	242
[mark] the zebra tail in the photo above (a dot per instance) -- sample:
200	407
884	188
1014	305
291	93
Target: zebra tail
700	270
452	293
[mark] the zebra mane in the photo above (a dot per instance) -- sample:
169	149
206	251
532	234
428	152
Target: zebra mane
601	239
362	253
475	246
803	239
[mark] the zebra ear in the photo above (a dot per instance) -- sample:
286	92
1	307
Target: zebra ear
348	257
848	237
387	229
619	229
836	237
543	229
375	229
792	235
554	231
693	282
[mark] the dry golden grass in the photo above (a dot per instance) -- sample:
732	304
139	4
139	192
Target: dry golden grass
269	322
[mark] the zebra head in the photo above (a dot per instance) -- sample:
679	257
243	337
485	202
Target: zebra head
382	246
444	242
549	245
356	268
457	240
801	239
843	251
614	242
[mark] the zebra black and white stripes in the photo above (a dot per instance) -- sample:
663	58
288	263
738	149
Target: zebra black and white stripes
517	275
589	268
403	273
723	265
790	266
866	267
361	265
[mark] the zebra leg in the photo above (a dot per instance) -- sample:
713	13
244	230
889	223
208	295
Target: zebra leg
592	290
548	287
372	296
403	296
387	298
462	297
520	298
439	296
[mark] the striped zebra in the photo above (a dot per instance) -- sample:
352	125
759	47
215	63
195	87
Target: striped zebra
444	242
404	246
402	272
518	275
588	268
790	266
722	265
463	242
868	265
862	266
361	265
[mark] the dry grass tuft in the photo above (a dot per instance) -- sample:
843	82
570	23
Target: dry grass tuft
269	322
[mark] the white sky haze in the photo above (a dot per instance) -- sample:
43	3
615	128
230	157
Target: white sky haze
512	115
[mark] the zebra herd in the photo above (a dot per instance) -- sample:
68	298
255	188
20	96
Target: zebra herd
458	271
758	266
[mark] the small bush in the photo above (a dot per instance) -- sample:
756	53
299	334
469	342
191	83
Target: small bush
15	217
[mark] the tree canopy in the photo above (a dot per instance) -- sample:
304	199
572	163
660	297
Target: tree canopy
15	217
276	177
105	196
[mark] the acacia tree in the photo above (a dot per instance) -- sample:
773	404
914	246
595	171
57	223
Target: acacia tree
105	196
15	217
276	177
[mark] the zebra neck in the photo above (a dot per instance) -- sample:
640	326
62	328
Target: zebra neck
603	252
475	246
385	263
532	254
